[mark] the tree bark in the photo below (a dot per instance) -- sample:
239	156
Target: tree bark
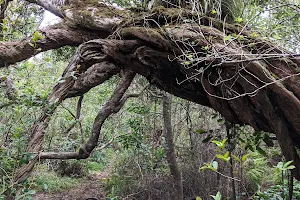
245	84
230	130
170	150
55	36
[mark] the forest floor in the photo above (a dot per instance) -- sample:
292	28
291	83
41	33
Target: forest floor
91	189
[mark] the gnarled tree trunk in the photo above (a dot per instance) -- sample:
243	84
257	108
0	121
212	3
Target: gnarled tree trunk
247	79
170	147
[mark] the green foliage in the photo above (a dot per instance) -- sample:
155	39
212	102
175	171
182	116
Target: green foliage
138	121
211	166
218	196
220	144
9	162
255	168
51	182
116	184
282	168
21	18
62	54
36	36
136	126
95	166
270	19
22	191
278	192
224	157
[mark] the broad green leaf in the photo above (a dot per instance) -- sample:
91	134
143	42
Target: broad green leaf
287	163
290	167
279	165
215	164
220	144
31	192
207	166
35	36
217	196
198	198
235	158
204	167
244	157
224	142
33	45
226	155
217	142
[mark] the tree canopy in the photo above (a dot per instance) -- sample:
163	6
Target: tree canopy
221	54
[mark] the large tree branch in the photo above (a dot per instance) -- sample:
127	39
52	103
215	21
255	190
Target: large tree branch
58	94
113	105
189	60
92	77
72	155
86	14
55	37
53	6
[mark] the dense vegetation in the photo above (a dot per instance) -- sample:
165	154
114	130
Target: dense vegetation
161	100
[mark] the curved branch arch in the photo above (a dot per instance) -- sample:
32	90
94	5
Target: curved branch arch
248	80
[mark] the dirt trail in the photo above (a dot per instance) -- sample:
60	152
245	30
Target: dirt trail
91	189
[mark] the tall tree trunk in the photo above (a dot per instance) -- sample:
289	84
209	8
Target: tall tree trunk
233	195
170	150
230	134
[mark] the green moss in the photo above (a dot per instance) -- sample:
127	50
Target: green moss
92	8
158	9
150	35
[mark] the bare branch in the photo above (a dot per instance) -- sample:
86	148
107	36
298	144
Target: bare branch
77	117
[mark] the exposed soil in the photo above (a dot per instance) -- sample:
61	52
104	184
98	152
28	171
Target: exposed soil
91	189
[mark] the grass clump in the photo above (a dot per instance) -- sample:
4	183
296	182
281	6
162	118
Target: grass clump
95	166
51	182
